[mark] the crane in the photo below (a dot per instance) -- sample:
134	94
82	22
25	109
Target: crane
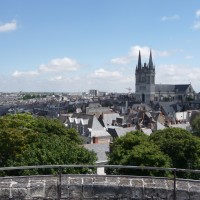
129	90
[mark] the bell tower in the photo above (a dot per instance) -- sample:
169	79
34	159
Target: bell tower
145	80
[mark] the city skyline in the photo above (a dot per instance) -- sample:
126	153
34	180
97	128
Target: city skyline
74	45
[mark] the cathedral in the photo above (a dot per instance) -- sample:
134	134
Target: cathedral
147	91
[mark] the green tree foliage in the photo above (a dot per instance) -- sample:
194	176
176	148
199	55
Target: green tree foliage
171	147
180	145
53	150
135	149
196	126
27	140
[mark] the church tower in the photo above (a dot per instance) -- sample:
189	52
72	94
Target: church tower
145	80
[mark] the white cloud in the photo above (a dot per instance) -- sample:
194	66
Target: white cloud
57	78
76	78
167	18
143	50
24	74
196	25
60	64
188	57
198	13
54	66
178	74
10	26
64	78
133	54
121	60
102	73
128	79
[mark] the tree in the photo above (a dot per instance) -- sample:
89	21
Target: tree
27	140
53	150
135	149
196	126
181	146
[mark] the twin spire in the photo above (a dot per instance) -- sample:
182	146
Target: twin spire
150	64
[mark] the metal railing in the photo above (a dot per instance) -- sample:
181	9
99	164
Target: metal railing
61	167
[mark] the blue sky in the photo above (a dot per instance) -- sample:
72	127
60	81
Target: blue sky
77	45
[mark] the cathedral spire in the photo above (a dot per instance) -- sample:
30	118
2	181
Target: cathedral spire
139	61
150	61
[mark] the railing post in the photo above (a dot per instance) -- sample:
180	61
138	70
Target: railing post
59	182
174	184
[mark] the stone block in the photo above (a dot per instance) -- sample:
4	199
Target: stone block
160	183
194	187
51	191
20	182
99	180
37	189
65	179
5	182
137	183
124	182
75	191
170	184
161	193
149	192
105	190
148	181
138	193
112	181
170	195
75	181
182	194
64	187
182	185
4	193
87	180
194	195
125	191
64	191
87	191
21	193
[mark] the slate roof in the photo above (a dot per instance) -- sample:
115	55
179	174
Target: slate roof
83	116
168	107
181	88
116	131
97	110
130	117
147	131
109	117
3	110
141	106
100	133
62	118
90	122
170	88
100	150
155	115
160	126
164	88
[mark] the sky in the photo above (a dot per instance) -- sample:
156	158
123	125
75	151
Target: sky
78	45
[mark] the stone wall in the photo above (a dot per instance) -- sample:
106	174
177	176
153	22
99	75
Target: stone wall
96	187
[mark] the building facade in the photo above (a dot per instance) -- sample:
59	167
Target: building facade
146	90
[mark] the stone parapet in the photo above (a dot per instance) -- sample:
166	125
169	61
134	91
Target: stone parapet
77	187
